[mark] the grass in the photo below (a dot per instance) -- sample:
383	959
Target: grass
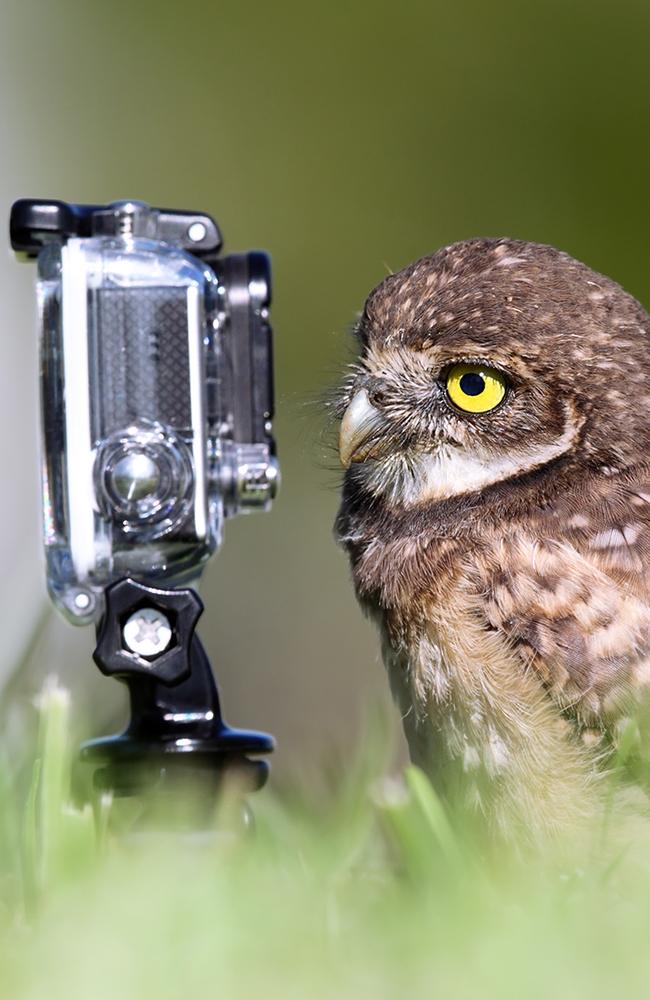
372	891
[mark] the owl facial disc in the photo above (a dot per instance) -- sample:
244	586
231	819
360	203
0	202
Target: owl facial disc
419	447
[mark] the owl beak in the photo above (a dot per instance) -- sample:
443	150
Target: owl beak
360	436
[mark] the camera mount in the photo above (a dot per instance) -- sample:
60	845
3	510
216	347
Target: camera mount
34	223
147	639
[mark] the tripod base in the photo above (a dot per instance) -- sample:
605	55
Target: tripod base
176	742
126	766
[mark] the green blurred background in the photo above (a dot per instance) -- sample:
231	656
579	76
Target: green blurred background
347	139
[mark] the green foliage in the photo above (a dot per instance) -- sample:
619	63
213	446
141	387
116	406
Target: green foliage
373	889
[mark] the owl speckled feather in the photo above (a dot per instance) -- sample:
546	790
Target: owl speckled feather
496	512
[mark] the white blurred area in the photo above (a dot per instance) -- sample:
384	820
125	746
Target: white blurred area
22	598
34	642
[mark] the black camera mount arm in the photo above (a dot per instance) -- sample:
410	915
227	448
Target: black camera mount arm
147	639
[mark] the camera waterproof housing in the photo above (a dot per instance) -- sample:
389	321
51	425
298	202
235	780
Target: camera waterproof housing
156	389
157	401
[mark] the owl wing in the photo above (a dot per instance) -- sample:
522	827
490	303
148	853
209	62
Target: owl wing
572	596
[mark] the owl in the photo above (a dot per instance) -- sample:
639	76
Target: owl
496	513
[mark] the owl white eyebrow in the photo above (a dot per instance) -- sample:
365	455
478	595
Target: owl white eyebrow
475	359
382	360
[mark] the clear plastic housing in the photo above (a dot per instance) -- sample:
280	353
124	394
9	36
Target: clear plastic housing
130	404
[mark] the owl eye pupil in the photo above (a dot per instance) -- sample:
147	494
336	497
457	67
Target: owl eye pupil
472	384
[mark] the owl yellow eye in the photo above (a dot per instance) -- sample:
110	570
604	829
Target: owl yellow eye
475	388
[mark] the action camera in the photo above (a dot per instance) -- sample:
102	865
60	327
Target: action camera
156	389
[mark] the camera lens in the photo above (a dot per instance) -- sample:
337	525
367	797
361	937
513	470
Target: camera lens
143	476
134	477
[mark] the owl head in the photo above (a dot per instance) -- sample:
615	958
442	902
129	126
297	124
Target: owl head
492	360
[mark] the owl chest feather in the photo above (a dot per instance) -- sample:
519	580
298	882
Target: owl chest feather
476	720
419	593
565	596
500	644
